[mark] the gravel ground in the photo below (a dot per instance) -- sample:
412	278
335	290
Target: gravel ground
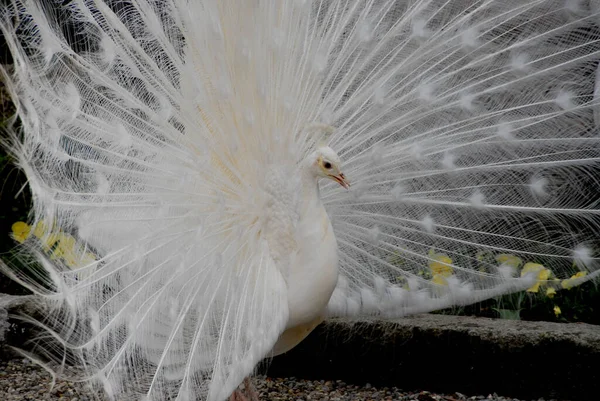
22	380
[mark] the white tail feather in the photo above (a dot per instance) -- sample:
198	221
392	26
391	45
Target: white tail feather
468	130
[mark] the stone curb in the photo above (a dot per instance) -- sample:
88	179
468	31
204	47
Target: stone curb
526	360
449	354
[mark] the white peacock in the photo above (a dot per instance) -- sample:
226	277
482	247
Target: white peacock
188	215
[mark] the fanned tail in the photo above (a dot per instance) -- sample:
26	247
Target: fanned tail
468	130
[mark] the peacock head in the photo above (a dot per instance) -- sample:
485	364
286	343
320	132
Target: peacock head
326	164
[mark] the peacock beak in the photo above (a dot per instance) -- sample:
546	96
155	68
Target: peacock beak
341	179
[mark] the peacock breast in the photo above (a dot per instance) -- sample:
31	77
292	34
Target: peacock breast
313	271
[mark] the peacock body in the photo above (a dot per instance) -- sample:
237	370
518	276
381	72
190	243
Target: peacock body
185	160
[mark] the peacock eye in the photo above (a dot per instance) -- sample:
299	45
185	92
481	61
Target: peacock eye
327	165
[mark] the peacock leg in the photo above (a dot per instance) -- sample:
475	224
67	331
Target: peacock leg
237	396
250	390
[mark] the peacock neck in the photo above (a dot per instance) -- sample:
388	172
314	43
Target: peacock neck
310	184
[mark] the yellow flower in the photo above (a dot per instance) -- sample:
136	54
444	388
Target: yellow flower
63	246
50	240
571	282
44	234
510	260
557	310
21	231
40	229
542	274
481	255
71	252
66	249
440	265
439	279
550	292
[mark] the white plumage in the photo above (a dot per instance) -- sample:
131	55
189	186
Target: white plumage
186	209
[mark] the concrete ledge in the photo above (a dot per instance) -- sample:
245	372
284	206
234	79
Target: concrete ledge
526	360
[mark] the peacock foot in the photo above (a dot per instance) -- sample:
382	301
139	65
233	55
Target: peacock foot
237	395
250	392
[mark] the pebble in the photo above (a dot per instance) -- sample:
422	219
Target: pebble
21	380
